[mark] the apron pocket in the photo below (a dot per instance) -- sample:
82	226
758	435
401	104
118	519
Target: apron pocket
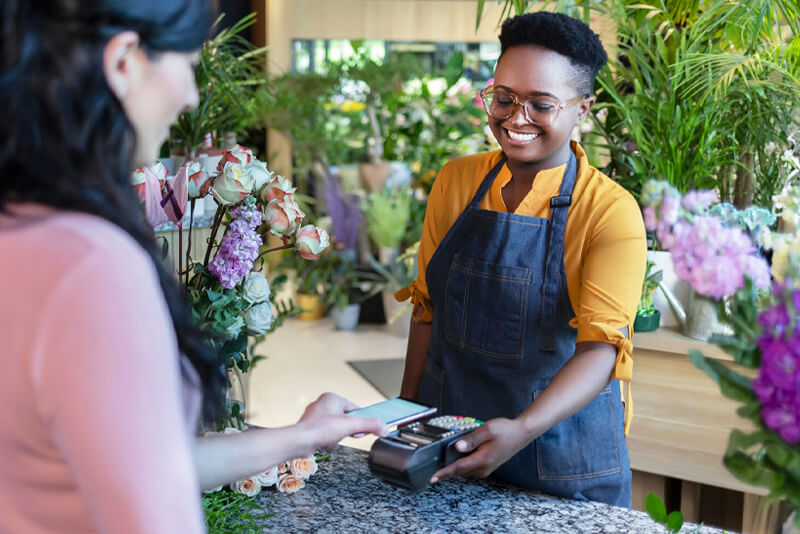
584	445
431	387
486	305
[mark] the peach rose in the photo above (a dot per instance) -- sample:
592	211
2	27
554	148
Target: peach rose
277	188
283	468
249	486
269	477
283	216
289	483
311	241
303	467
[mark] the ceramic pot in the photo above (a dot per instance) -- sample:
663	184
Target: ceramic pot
312	306
347	317
647	322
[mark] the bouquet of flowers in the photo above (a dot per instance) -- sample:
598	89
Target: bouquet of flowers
229	296
713	251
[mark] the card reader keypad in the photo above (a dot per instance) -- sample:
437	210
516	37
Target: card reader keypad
455	422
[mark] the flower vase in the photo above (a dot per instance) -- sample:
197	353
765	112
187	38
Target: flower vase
236	394
701	318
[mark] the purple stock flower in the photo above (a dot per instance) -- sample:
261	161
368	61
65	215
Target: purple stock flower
778	383
239	247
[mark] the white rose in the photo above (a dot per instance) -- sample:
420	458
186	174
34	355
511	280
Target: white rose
269	477
232	184
234	329
259	318
247	486
289	483
256	288
259	173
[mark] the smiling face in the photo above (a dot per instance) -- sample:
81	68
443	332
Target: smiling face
528	71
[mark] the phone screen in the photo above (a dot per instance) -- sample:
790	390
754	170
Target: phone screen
395	411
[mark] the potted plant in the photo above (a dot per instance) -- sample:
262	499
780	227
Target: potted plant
398	274
311	279
647	317
387	214
343	291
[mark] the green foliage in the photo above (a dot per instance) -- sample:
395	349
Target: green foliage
230	74
658	512
649	286
227	512
387	213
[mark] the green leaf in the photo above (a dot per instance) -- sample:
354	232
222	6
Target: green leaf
655	508
454	69
674	521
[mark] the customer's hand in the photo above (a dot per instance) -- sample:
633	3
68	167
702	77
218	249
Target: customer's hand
492	444
328	423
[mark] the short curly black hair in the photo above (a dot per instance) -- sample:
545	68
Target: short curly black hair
560	33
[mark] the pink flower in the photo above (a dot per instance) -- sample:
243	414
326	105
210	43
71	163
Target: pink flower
276	189
238	154
283	216
199	182
232	184
311	241
269	477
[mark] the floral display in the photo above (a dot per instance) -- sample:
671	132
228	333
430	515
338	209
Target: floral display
713	251
230	298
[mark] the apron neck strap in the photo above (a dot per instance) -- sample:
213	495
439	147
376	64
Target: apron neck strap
487	183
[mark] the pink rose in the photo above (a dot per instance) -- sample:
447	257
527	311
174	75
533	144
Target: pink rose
283	468
238	154
269	477
311	241
289	483
140	183
303	467
199	181
276	189
283	215
232	184
249	486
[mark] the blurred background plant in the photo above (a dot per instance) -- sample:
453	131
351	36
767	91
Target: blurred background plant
230	77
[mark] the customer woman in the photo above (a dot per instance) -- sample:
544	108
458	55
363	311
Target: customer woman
98	407
530	266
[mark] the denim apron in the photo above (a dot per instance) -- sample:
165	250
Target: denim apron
501	332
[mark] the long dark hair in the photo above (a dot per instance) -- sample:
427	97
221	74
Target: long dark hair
65	140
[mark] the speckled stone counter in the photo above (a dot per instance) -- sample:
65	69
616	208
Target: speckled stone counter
344	497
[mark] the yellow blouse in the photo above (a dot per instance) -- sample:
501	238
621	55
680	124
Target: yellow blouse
604	245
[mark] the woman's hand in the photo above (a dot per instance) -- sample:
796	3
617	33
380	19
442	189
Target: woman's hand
491	445
328	423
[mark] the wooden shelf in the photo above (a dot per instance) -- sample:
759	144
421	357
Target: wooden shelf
681	420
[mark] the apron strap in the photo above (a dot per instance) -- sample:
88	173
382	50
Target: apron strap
557	224
487	182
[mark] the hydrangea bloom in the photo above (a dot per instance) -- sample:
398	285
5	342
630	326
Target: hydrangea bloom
240	245
778	383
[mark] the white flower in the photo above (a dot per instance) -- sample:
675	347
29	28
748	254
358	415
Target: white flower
259	318
289	483
259	173
234	329
269	477
230	430
213	490
255	288
232	184
249	486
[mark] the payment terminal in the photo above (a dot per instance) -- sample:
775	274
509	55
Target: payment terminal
409	456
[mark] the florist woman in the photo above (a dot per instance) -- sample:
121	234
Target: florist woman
531	263
102	367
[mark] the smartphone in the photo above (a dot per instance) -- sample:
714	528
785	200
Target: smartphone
395	411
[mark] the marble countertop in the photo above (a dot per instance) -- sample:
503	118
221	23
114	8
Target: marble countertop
344	497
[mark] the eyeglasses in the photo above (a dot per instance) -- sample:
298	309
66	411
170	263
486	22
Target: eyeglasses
541	110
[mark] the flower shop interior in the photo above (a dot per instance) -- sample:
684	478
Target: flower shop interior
349	108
